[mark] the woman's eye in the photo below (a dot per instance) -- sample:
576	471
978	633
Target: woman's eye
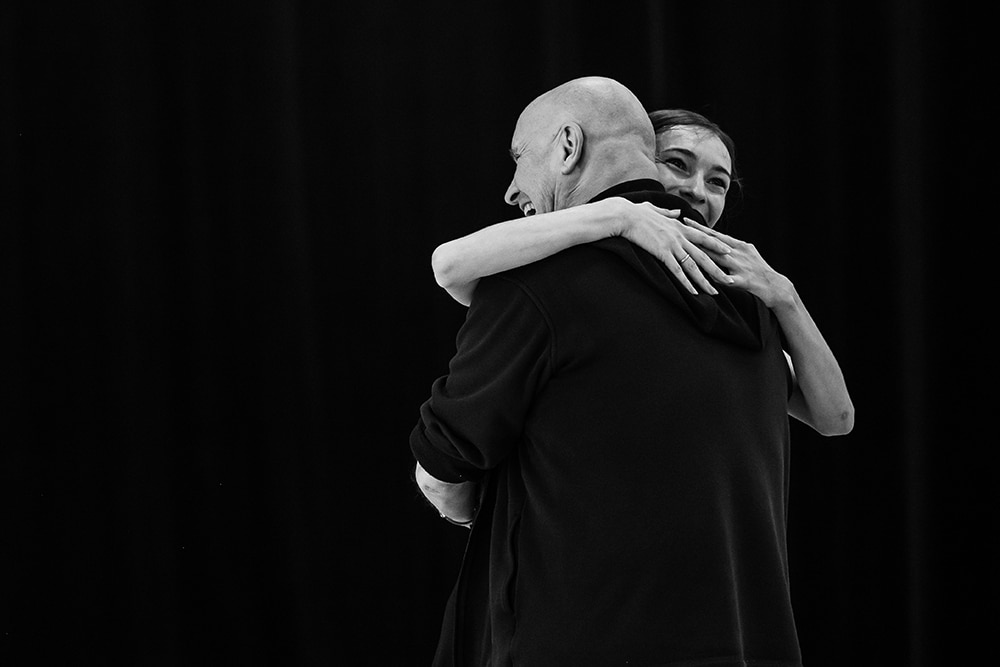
677	163
719	183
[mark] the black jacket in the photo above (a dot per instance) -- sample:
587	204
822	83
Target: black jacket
632	444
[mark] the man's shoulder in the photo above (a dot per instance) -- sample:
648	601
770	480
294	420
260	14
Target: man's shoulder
560	267
573	276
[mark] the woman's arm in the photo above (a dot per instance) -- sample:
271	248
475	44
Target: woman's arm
820	398
458	265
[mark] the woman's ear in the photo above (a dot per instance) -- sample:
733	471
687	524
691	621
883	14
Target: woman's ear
570	147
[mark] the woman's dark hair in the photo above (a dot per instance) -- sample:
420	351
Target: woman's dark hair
667	119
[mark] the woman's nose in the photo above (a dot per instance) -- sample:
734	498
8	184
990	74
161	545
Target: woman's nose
693	190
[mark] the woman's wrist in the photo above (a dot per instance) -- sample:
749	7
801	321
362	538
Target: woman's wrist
615	215
782	295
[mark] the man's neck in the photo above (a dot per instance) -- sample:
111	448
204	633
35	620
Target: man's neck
586	189
636	185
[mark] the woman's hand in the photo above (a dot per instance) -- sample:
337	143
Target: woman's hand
819	395
748	270
689	253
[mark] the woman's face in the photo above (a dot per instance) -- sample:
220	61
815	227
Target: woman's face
695	164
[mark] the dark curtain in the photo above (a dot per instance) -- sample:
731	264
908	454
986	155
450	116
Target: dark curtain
219	318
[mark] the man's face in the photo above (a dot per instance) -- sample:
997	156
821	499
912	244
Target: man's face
533	187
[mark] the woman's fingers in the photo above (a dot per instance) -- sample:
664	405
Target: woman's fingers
707	242
707	265
674	213
676	266
699	234
683	250
710	232
700	270
695	265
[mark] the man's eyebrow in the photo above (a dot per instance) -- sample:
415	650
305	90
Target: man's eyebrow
691	154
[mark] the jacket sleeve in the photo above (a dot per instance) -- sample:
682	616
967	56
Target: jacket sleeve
476	414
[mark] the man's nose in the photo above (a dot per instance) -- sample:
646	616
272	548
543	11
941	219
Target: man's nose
512	193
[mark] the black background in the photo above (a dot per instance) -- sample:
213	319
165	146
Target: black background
219	318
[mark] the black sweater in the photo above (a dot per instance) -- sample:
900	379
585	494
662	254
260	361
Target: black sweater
631	441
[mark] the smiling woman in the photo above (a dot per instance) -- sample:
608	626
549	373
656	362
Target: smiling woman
696	161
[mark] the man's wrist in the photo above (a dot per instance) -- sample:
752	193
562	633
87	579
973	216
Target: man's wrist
466	523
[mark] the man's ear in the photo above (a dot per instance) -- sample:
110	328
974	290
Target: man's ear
570	147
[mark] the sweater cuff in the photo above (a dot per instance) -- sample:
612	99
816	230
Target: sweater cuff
438	465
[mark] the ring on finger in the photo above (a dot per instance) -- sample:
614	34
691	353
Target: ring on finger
686	258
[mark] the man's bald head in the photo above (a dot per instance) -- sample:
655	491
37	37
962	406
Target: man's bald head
603	107
579	139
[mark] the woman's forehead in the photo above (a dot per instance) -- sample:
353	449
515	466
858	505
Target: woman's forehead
698	140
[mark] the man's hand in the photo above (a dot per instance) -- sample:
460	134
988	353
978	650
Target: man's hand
680	247
453	501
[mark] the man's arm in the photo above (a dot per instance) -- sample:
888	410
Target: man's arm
455	502
475	415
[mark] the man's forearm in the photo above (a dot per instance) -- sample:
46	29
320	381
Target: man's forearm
454	501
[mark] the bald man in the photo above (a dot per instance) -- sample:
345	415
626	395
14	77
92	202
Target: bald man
618	445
